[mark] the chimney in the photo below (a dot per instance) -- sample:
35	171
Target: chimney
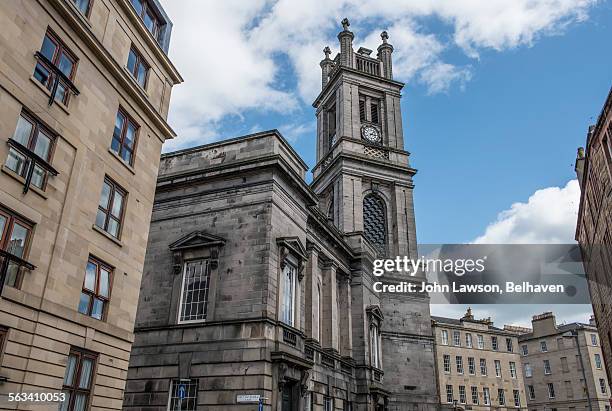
592	321
326	67
384	55
579	167
544	324
346	44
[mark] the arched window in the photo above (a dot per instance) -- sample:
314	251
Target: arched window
375	222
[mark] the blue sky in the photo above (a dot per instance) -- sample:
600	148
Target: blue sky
498	96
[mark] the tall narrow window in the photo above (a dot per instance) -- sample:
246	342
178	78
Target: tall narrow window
15	236
494	344
288	282
124	137
474	391
462	396
362	109
551	390
468	340
497	368
96	289
509	345
480	339
111	208
331	125
30	151
449	393
528	370
471	366
543	346
486	396
524	349
139	68
446	361
483	366
547	367
183	395
602	385
512	369
374	114
459	361
501	396
456	338
78	380
56	68
375	345
597	361
375	222
531	391
194	294
517	398
444	335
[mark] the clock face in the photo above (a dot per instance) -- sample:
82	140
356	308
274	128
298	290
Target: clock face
371	134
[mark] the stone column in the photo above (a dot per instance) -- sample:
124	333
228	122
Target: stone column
346	44
345	318
330	307
310	286
384	55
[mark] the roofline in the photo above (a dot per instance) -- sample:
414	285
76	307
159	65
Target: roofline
223	142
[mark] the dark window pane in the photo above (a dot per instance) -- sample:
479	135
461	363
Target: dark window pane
131	63
86	370
149	21
17	241
15	161
2	225
23	131
84	303
70	370
97	308
126	155
130	136
43	145
48	48
41	74
65	65
80	402
60	93
90	276
38	177
100	219
115	145
105	196
142	74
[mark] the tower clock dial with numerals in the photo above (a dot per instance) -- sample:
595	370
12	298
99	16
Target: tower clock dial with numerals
371	134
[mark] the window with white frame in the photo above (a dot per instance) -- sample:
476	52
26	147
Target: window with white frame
543	346
509	345
547	370
462	396
375	345
531	392
444	337
468	340
497	368
486	396
602	385
551	390
480	341
471	366
456	338
598	361
459	361
517	398
288	283
525	349
449	393
483	366
528	370
593	339
494	344
194	291
446	360
327	403
183	395
501	396
512	369
474	390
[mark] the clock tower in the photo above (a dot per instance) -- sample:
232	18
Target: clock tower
364	182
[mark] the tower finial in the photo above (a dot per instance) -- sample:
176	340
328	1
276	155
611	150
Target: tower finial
384	36
327	52
345	24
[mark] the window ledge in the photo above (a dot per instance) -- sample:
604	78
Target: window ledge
21	180
107	235
122	161
48	94
136	83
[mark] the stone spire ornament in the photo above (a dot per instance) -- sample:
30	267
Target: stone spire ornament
345	24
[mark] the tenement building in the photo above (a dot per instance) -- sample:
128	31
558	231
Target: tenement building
84	91
563	368
258	287
594	227
478	365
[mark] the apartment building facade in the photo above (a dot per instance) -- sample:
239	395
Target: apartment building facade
563	366
594	225
478	365
84	88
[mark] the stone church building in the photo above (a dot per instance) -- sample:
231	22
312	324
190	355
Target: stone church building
258	286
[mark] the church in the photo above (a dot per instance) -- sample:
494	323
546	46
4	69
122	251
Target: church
257	290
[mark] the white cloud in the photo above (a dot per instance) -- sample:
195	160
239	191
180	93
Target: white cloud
548	217
228	52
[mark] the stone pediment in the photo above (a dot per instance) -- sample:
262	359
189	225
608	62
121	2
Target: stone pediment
375	311
294	245
196	239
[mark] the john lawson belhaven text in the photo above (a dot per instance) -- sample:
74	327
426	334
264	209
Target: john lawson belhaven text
434	287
